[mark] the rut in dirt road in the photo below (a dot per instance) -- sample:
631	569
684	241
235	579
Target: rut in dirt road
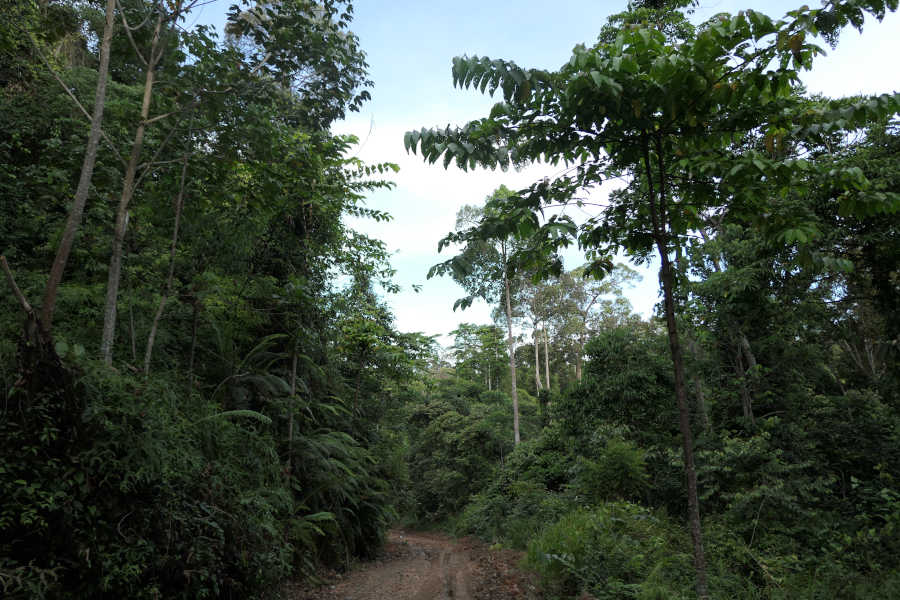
429	566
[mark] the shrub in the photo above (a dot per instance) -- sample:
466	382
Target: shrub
616	550
619	473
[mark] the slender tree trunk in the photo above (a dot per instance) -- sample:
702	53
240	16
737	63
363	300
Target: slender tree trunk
746	400
73	221
701	404
579	359
547	359
702	409
179	203
659	218
133	335
537	363
748	353
684	421
115	262
512	353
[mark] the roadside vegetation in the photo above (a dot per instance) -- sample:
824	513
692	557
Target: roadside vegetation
204	393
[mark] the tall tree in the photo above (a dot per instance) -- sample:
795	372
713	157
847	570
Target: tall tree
163	20
73	221
585	300
485	270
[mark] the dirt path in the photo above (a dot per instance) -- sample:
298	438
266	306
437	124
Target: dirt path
428	566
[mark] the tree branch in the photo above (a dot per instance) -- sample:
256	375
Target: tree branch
23	302
129	29
74	98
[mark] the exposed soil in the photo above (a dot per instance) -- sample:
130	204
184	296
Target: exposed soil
428	566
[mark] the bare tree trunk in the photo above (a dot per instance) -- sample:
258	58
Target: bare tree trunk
579	359
133	336
658	217
547	359
115	262
748	353
701	404
537	363
73	221
179	203
512	353
746	400
702	409
684	421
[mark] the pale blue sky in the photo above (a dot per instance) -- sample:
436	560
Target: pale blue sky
410	45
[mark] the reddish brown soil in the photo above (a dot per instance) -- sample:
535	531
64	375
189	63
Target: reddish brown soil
428	566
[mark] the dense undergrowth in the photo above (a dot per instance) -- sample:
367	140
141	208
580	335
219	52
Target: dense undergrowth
143	489
223	402
800	504
235	426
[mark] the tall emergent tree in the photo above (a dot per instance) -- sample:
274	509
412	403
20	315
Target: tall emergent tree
485	270
670	112
583	303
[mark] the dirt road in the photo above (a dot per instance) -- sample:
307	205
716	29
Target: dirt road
429	566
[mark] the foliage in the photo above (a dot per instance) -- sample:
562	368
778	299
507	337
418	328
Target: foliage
627	380
618	550
262	440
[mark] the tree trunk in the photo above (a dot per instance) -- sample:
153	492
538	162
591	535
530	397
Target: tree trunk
512	353
659	220
547	359
579	359
133	335
701	404
684	421
746	400
748	354
537	363
179	203
73	221
115	262
702	409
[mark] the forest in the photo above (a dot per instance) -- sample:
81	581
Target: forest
204	390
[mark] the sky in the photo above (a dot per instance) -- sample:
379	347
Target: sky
410	46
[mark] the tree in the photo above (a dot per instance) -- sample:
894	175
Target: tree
537	300
269	412
42	325
584	308
485	270
87	170
265	58
670	116
477	351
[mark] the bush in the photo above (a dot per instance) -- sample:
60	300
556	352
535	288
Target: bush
619	473
451	458
128	492
511	511
616	550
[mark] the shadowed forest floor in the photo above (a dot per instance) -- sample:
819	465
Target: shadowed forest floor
428	566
